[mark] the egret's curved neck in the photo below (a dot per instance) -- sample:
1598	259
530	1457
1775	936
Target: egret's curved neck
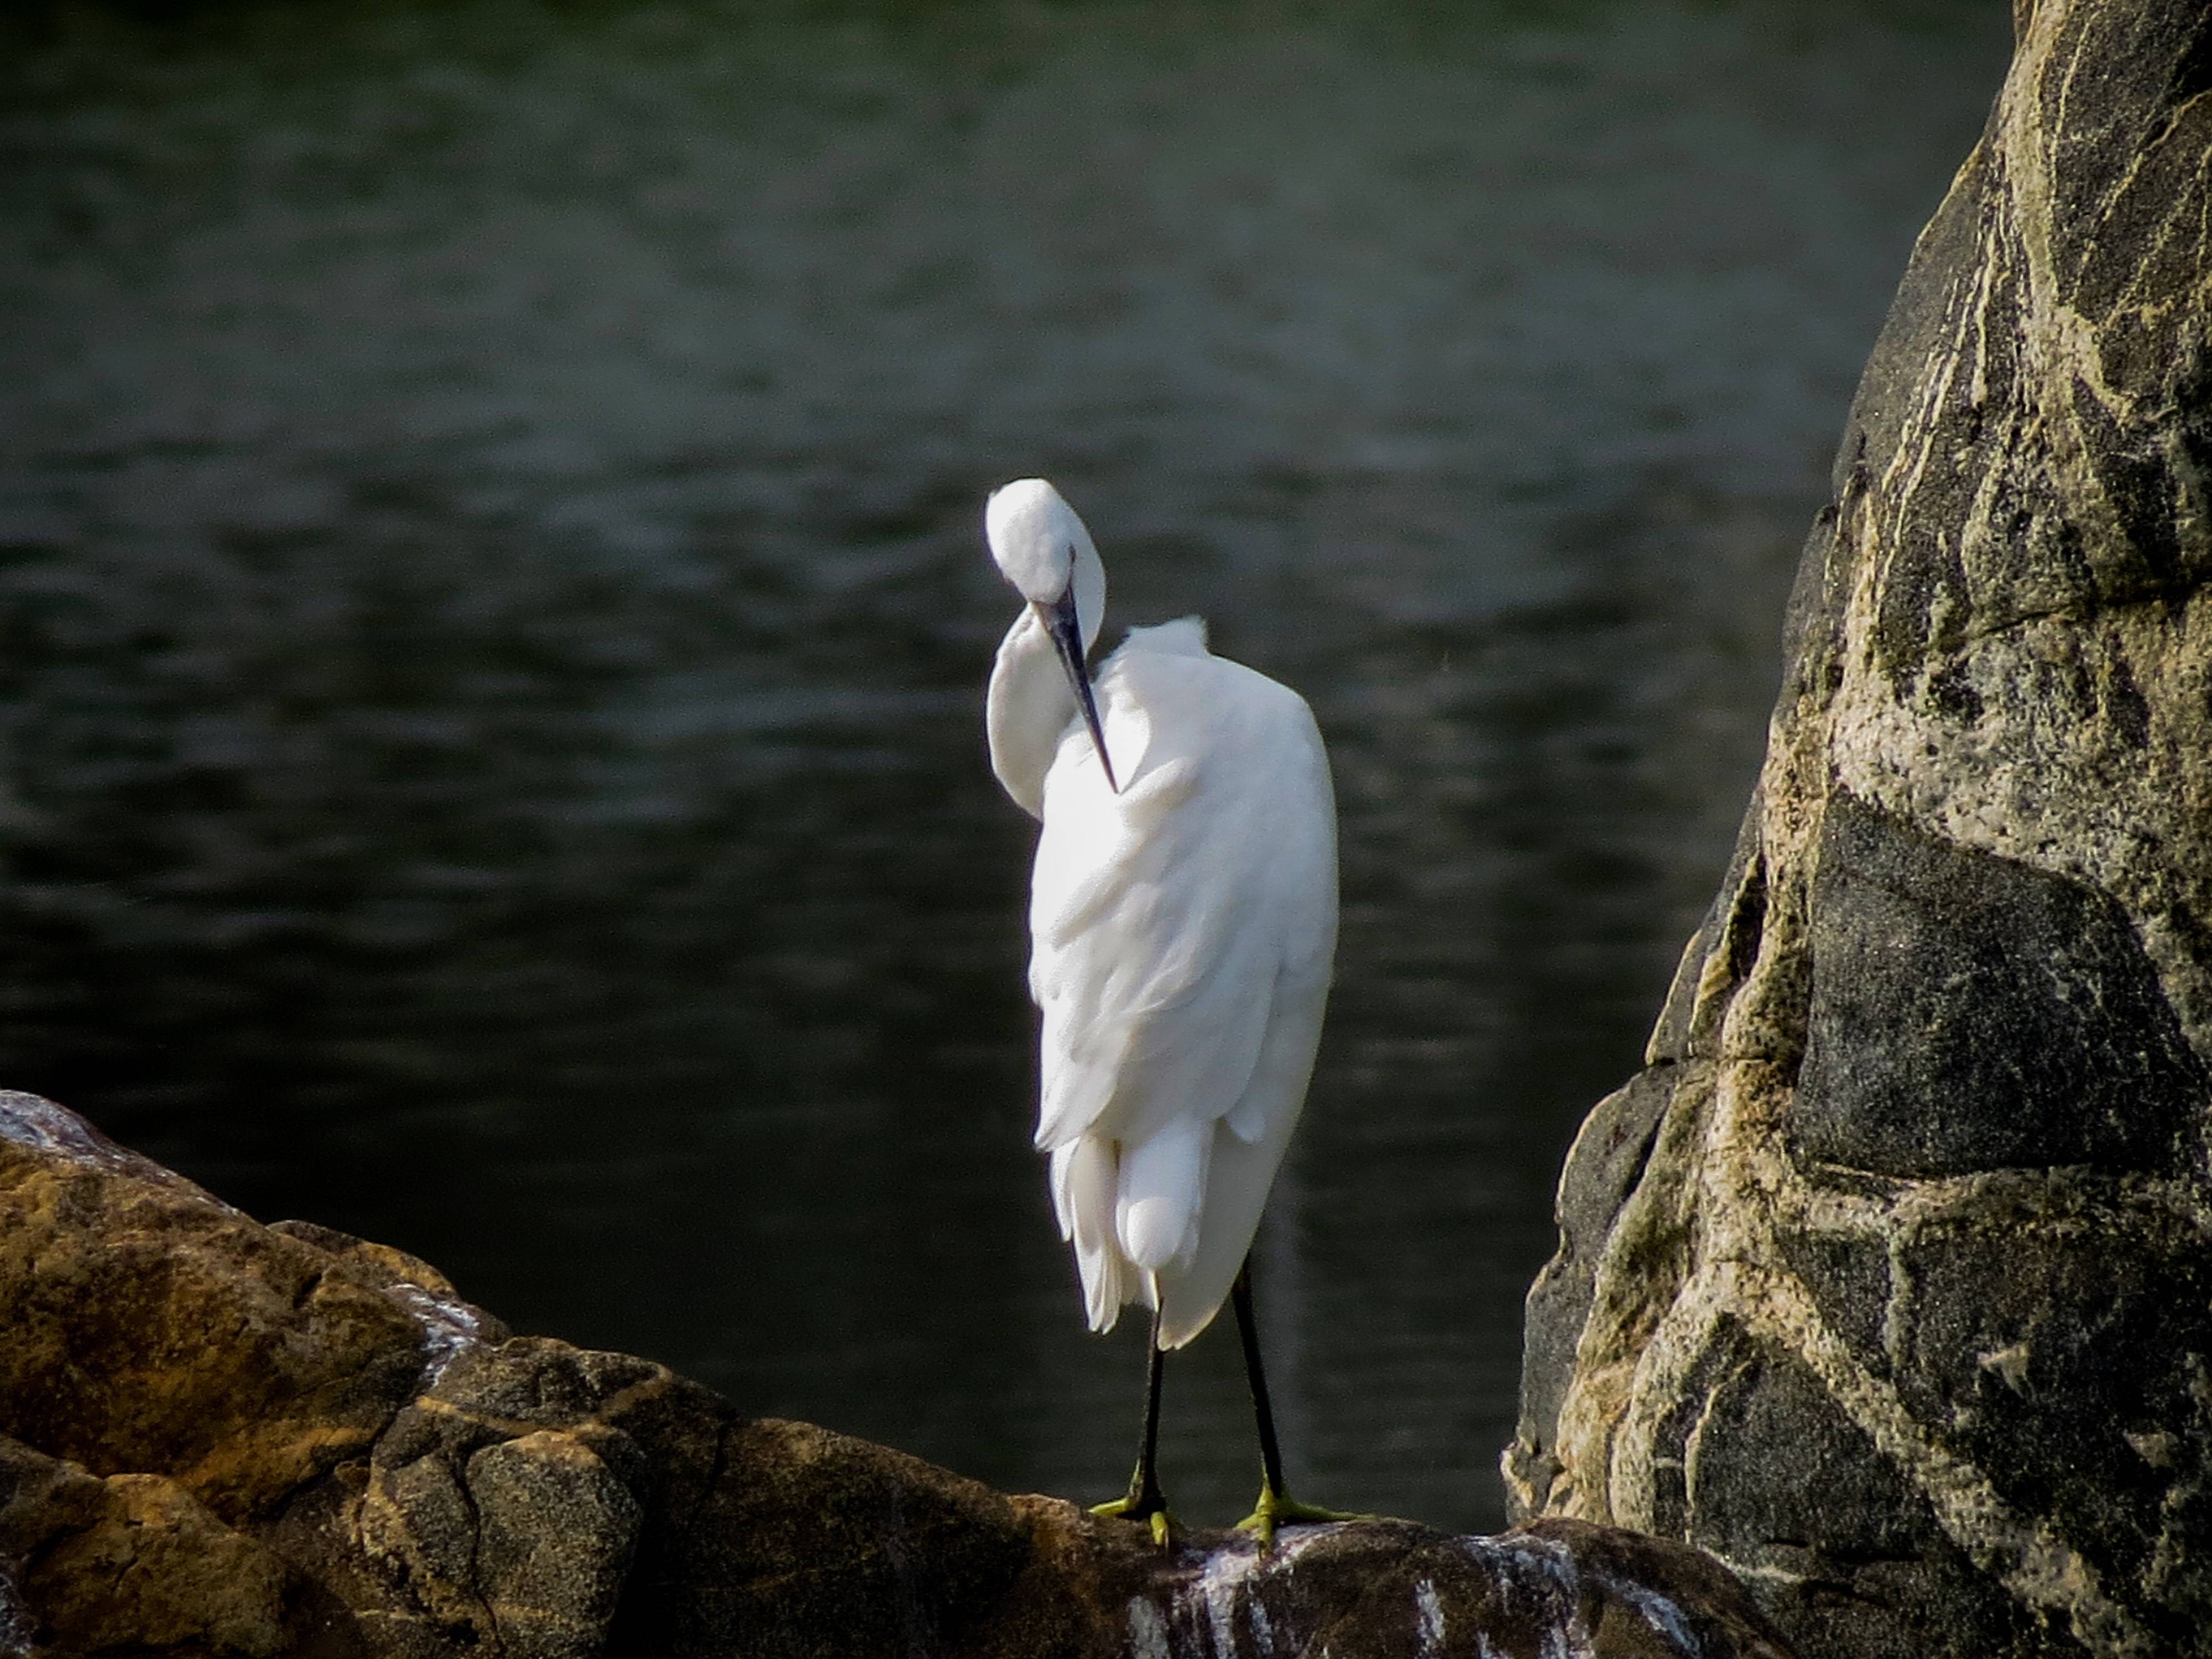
1030	703
1026	711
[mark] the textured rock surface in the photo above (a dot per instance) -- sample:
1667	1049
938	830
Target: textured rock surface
1887	1281
224	1441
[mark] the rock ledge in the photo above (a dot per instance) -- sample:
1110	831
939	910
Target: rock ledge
219	1438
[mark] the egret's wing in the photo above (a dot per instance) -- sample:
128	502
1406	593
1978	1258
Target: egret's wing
1241	1169
1163	918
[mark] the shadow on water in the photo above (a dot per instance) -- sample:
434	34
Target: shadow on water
493	625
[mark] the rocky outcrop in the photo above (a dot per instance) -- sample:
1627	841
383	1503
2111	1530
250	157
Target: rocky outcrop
1889	1279
219	1440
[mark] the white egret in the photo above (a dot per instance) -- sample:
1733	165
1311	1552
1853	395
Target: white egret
1182	921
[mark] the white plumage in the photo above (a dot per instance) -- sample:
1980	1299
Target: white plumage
1182	924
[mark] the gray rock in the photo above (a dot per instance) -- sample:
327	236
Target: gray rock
2020	1002
1887	1281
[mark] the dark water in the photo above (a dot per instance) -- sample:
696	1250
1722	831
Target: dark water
495	624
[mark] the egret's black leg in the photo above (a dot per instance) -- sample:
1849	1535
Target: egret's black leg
1276	1505
1145	1485
1145	1502
1255	1374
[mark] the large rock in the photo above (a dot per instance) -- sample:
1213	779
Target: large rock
224	1441
1887	1280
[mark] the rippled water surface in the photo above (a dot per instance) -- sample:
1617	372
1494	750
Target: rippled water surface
495	624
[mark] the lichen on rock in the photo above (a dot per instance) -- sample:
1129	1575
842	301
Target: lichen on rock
1887	1281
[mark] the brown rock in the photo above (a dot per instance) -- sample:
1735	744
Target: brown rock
288	1440
131	1562
153	1329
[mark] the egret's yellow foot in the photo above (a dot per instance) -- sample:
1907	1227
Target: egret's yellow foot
1154	1513
1281	1509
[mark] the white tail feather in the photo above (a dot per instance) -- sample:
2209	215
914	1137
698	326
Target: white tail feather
1163	1193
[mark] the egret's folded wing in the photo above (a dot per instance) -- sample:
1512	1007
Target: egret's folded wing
1127	1051
1155	999
1163	918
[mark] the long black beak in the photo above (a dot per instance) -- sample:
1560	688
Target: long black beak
1068	634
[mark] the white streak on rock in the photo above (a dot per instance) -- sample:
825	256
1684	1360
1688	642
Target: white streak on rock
1429	1618
1226	1571
17	1624
1148	1632
1541	1578
1658	1612
449	1328
1291	1542
1263	1633
31	1121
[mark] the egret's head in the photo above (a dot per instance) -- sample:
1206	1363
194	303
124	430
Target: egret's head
1041	548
